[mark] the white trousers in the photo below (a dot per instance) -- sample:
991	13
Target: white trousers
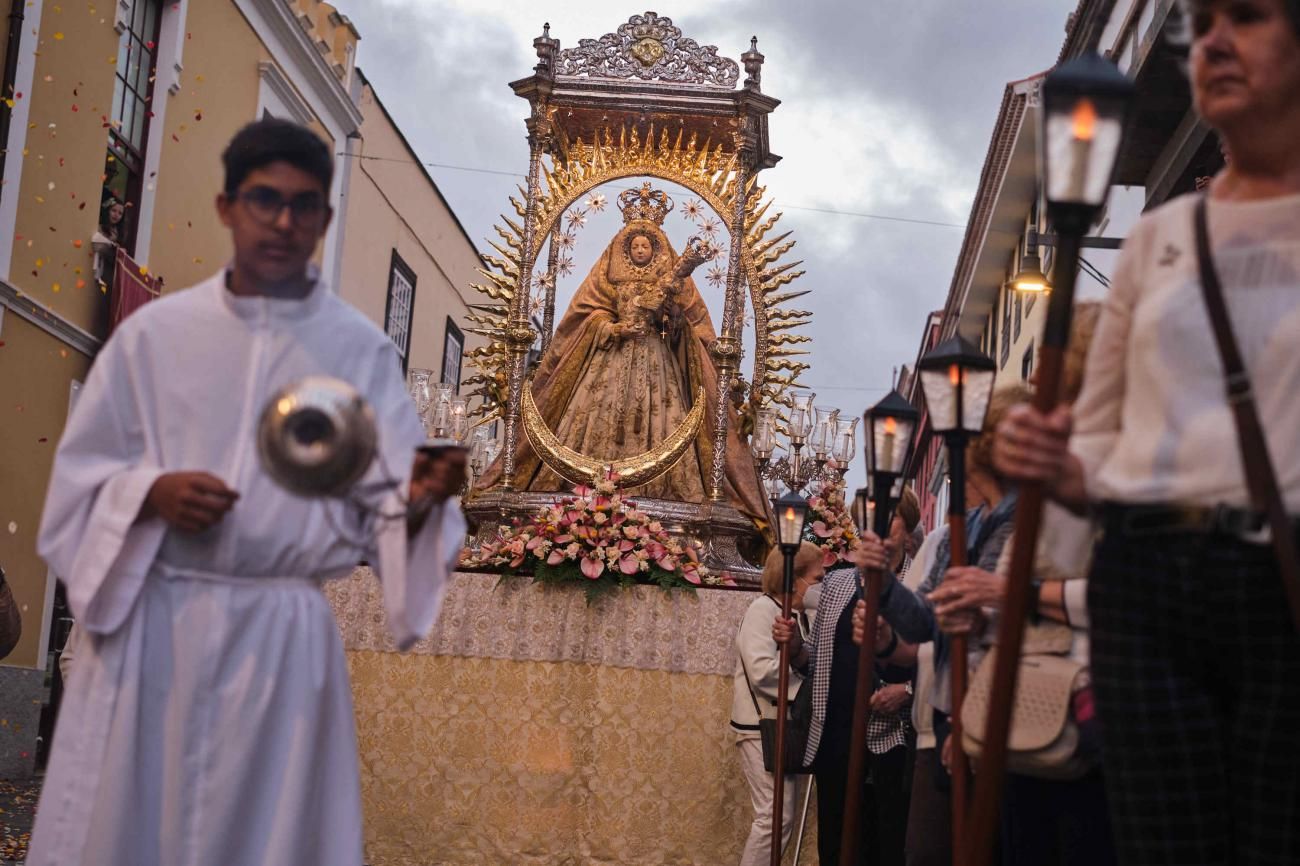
758	847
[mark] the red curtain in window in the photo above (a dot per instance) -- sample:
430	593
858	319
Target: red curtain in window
131	289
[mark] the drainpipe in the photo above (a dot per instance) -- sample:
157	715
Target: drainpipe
13	43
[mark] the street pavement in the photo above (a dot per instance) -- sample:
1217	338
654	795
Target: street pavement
17	813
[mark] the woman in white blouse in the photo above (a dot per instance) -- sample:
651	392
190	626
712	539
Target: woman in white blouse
755	691
1194	658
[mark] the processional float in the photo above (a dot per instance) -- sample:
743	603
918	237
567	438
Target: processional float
641	102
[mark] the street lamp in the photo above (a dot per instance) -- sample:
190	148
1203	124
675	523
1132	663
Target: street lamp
1030	276
957	380
1085	107
791	512
890	425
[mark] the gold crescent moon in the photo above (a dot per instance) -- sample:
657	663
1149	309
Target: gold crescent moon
632	471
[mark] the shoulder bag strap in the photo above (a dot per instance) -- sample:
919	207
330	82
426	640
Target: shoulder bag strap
749	685
1260	477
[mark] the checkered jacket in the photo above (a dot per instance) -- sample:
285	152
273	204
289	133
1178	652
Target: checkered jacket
838	589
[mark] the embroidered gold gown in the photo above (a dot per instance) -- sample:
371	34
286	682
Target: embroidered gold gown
622	371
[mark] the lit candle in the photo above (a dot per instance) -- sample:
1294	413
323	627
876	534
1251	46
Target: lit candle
1085	128
886	463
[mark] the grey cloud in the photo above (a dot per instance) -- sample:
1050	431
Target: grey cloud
939	65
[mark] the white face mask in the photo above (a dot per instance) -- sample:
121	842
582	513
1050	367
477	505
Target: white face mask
811	596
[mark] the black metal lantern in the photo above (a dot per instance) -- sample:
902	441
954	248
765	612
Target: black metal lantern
957	380
791	513
861	509
1085	105
890	425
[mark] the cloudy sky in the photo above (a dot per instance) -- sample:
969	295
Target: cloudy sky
887	108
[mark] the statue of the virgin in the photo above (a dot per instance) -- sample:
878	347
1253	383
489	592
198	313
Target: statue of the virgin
621	373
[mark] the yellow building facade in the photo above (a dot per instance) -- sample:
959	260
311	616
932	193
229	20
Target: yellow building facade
133	101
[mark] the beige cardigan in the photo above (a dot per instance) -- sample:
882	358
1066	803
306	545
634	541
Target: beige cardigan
754	645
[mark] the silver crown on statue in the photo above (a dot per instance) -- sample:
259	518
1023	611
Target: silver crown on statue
644	204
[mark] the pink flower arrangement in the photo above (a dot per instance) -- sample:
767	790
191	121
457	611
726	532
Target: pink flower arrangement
830	524
595	536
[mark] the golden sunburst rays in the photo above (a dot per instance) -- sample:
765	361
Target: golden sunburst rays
707	170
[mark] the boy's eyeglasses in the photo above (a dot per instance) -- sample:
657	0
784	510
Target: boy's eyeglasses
265	205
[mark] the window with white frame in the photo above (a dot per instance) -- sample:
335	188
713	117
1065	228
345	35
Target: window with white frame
453	347
400	306
1006	327
134	75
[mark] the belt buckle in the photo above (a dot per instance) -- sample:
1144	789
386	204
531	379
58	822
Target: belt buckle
1239	522
1223	520
1139	522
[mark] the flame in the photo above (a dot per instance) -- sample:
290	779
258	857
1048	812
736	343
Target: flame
891	426
789	514
1085	120
954	374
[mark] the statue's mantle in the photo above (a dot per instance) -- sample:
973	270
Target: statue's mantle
721	530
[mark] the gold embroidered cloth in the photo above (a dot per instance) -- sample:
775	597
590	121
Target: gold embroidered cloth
639	627
533	730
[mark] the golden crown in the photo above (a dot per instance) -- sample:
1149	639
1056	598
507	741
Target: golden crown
644	204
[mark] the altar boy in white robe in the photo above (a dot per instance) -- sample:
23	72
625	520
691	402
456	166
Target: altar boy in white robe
208	721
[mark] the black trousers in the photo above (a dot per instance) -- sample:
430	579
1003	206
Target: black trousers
831	770
1196	667
883	819
891	799
929	815
1052	823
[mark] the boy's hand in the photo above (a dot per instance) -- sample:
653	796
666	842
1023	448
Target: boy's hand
189	501
438	474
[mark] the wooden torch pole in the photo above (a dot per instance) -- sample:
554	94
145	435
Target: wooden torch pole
851	833
957	650
1029	511
782	702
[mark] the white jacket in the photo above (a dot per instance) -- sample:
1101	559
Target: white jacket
761	659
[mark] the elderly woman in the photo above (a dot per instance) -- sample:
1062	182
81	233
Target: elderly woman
755	691
1045	820
829	660
908	609
1194	658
